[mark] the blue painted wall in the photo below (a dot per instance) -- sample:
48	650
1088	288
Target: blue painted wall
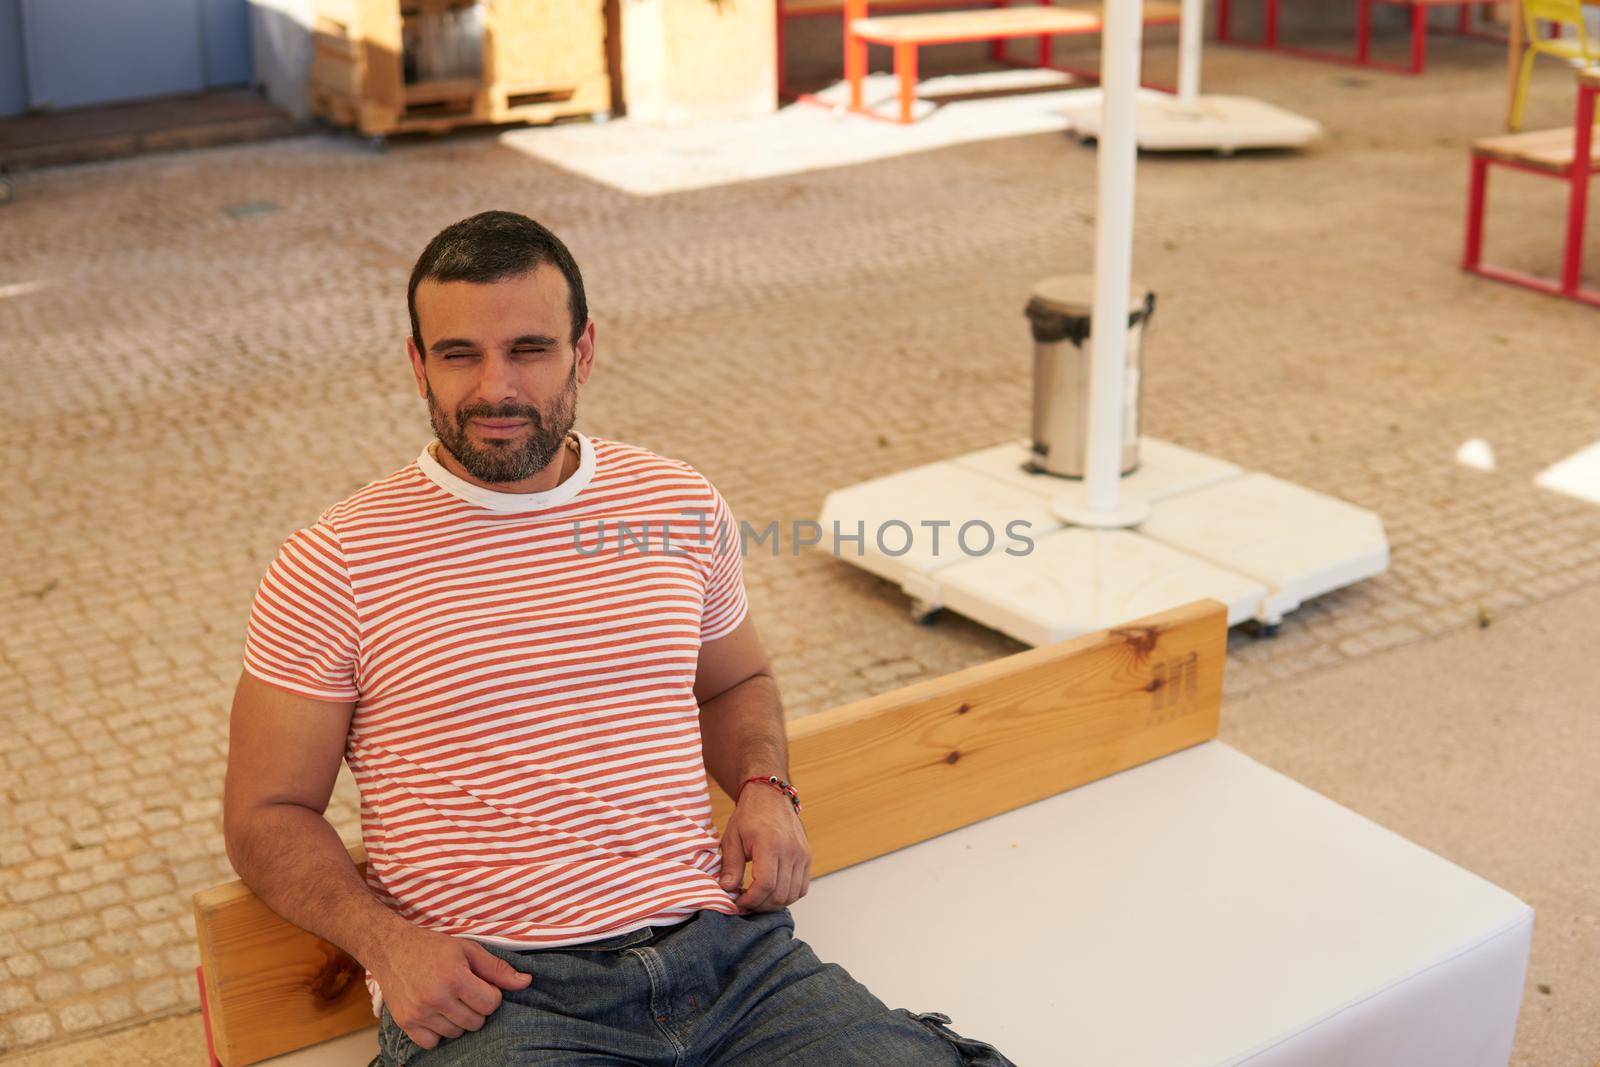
13	80
226	33
71	53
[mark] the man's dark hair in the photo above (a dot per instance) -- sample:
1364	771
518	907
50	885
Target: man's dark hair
491	247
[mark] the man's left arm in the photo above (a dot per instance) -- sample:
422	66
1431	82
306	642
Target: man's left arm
741	735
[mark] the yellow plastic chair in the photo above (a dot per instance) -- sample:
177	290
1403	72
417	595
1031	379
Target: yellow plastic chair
1574	50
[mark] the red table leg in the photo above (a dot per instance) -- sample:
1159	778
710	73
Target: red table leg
1578	198
855	51
1045	57
997	49
905	68
1272	24
205	1018
1363	31
1419	37
1472	256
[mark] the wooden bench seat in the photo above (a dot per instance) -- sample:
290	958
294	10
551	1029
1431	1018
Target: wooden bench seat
947	27
1546	151
1189	906
803	8
878	775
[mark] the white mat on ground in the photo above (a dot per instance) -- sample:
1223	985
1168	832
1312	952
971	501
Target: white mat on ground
649	160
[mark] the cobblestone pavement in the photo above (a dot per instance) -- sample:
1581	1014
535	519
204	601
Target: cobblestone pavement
187	385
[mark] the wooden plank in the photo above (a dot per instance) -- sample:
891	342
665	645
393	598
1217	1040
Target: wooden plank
436	91
1156	12
801	8
335	57
551	41
512	103
1550	151
381	82
271	986
990	24
875	775
917	762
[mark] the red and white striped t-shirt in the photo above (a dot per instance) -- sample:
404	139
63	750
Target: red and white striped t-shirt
526	738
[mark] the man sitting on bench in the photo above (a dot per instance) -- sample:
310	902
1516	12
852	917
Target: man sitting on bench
530	645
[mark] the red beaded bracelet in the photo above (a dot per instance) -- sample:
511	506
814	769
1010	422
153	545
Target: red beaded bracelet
778	783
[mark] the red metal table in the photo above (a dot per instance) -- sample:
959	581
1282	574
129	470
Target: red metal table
1420	10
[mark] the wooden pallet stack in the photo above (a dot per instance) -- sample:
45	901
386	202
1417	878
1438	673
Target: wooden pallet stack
402	66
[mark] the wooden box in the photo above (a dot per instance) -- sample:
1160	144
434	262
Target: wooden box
398	66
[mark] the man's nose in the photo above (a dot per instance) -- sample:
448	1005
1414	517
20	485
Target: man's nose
498	381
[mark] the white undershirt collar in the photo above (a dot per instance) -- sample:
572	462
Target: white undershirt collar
497	501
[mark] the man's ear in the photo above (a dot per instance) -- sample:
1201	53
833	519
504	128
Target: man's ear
417	369
585	348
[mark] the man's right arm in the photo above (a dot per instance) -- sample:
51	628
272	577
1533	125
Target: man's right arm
284	752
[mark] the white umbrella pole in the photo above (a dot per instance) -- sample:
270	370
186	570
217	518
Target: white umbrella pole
1190	29
1113	250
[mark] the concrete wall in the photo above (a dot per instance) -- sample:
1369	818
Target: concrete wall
280	47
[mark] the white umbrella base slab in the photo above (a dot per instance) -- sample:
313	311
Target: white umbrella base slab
1223	124
977	534
1078	580
1299	542
1164	470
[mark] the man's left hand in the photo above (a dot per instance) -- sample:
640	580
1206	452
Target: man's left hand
765	830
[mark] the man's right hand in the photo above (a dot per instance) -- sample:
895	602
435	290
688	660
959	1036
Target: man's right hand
437	986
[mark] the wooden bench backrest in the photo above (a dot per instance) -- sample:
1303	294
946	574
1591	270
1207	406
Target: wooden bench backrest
875	776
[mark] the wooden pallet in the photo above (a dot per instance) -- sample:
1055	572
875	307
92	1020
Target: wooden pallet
541	62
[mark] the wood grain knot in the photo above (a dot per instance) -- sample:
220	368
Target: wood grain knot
952	757
336	976
962	709
1142	639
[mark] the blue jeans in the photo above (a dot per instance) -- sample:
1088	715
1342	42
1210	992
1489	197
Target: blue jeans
715	990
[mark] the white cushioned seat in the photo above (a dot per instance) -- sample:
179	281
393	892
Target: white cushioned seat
1198	910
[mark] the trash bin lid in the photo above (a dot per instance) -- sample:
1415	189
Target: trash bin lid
1061	308
1073	295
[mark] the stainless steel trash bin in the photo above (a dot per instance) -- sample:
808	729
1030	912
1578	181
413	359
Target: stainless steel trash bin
1060	311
